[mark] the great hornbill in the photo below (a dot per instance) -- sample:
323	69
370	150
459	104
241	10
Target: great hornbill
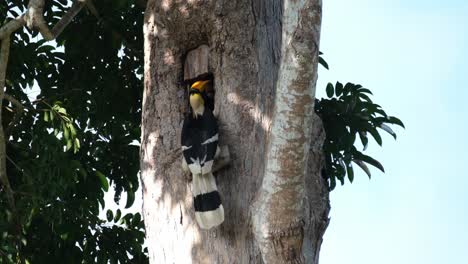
200	148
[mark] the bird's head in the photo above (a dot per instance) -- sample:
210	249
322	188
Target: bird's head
196	99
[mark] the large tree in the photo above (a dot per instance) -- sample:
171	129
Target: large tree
62	150
263	56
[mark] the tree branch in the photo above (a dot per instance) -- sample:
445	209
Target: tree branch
12	26
68	17
35	18
18	112
4	53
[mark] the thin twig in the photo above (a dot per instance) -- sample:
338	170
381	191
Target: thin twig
4	254
14	164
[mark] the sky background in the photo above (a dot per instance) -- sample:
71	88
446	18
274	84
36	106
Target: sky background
414	56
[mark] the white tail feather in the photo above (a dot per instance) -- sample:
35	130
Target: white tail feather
203	183
206	183
207	220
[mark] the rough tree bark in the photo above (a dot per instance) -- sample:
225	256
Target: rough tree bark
263	55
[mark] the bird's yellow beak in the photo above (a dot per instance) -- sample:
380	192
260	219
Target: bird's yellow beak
200	85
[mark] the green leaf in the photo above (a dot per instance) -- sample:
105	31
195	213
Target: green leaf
347	88
76	146
45	49
323	63
69	144
364	140
364	90
66	132
109	215
388	130
350	172
330	90
375	134
62	110
338	88
342	164
136	219
332	182
396	121
46	116
101	202
365	97
72	130
103	179
130	198
118	214
370	161
363	167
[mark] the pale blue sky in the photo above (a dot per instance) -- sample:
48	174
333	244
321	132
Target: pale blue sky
413	55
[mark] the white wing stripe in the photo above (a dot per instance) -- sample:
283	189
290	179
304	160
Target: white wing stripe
185	147
211	139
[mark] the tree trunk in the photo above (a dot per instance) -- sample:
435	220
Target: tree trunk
263	56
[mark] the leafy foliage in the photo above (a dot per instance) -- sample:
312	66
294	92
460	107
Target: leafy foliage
62	123
348	113
75	138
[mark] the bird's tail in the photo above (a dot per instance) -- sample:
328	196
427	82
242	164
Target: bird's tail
209	211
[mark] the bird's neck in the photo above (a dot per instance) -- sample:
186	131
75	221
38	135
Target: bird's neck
198	111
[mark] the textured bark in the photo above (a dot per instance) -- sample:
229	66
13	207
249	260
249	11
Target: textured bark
278	218
246	51
196	63
4	54
11	26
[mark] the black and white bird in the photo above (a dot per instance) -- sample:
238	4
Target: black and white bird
200	148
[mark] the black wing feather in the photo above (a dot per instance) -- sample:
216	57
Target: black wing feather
195	133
